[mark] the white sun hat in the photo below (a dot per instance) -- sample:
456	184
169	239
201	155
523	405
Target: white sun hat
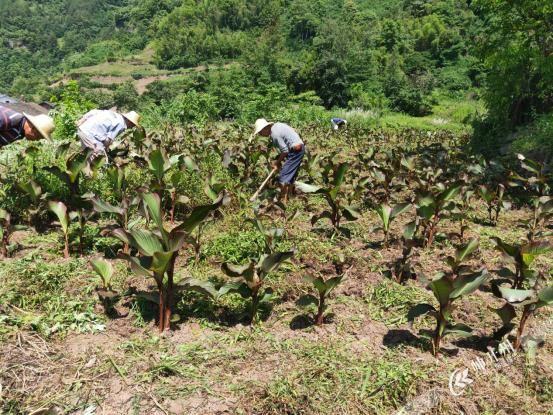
260	124
42	123
133	117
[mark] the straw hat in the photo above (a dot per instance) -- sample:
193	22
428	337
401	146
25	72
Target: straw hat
42	123
260	124
133	117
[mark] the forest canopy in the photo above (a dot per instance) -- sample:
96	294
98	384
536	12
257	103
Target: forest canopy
385	55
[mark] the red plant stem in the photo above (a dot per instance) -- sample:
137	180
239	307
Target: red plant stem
320	312
66	249
523	320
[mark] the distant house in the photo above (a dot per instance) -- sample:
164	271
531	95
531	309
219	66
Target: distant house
19	106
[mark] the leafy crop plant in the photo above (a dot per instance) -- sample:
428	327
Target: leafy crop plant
158	250
459	282
252	277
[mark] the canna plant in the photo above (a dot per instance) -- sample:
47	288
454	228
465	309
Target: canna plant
323	288
104	269
433	206
107	296
7	228
529	301
537	190
64	219
271	236
404	267
39	201
521	256
387	215
335	195
448	287
495	201
158	250
251	280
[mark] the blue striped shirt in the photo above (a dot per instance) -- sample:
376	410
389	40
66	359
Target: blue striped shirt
11	126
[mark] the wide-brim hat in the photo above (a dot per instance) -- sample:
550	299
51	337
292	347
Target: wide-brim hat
133	117
42	123
260	124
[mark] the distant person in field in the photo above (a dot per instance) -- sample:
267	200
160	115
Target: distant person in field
97	129
16	126
291	148
338	123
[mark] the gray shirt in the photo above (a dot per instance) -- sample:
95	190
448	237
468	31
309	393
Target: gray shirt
284	137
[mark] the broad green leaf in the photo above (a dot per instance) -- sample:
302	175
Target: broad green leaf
545	296
146	242
450	193
161	261
158	163
271	262
32	189
176	241
234	287
442	288
467	284
351	213
339	176
530	251
104	269
319	284
123	236
60	210
235	271
504	247
243	271
333	282
464	251
100	206
153	203
200	286
426	212
140	266
486	194
75	165
384	212
506	313
409	230
190	164
199	214
399	209
267	296
516	296
457	329
308	188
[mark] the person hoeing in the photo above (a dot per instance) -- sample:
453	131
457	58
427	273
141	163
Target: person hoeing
291	148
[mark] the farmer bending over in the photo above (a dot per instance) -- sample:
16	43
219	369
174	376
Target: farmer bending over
16	126
291	148
338	123
97	129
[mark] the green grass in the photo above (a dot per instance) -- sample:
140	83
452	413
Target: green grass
390	302
38	296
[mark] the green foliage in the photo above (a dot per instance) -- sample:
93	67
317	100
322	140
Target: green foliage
252	277
447	288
